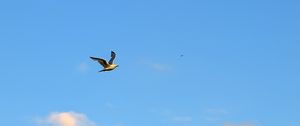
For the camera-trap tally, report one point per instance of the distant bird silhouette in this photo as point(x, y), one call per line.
point(107, 66)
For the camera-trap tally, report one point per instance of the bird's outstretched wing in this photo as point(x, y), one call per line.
point(113, 56)
point(101, 61)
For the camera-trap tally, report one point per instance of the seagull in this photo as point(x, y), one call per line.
point(107, 66)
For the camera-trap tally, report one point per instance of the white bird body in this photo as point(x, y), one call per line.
point(110, 67)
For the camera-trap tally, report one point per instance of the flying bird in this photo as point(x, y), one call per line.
point(107, 66)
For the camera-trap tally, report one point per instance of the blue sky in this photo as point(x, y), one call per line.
point(240, 63)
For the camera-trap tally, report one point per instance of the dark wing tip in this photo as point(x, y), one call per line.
point(113, 54)
point(93, 58)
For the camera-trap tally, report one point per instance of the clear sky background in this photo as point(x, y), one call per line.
point(240, 63)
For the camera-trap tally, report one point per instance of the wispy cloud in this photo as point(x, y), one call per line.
point(239, 124)
point(214, 114)
point(216, 111)
point(108, 105)
point(118, 124)
point(82, 67)
point(172, 116)
point(160, 67)
point(157, 66)
point(182, 119)
point(66, 119)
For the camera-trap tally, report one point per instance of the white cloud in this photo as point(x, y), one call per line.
point(66, 119)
